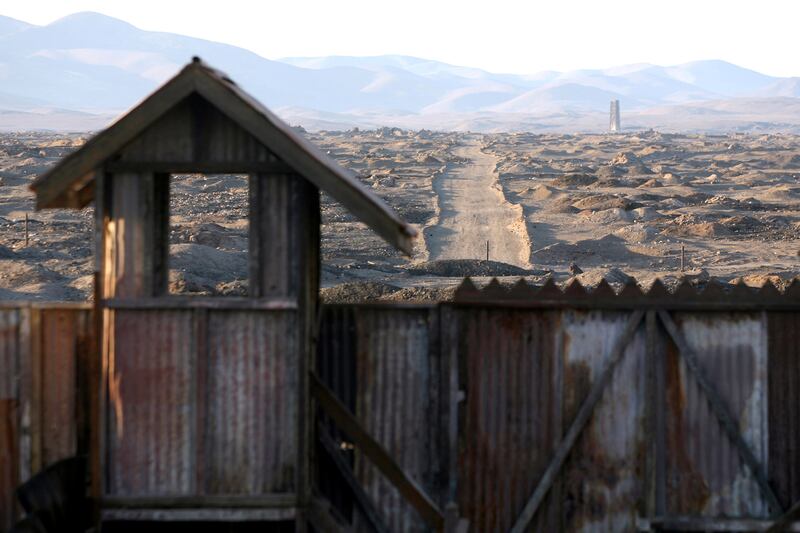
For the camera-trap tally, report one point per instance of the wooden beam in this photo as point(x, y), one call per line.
point(202, 302)
point(320, 516)
point(697, 523)
point(199, 514)
point(200, 167)
point(348, 424)
point(720, 409)
point(784, 522)
point(286, 500)
point(362, 498)
point(581, 419)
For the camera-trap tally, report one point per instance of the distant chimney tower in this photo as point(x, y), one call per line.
point(613, 124)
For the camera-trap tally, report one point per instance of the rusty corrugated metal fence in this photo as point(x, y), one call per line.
point(473, 400)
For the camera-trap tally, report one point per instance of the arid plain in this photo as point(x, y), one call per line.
point(611, 205)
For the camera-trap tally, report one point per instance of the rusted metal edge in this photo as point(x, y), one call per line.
point(723, 414)
point(373, 450)
point(712, 296)
point(362, 499)
point(581, 419)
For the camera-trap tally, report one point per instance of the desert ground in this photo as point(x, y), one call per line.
point(549, 205)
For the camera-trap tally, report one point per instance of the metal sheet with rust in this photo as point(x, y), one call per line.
point(9, 415)
point(151, 435)
point(251, 411)
point(511, 418)
point(784, 406)
point(601, 482)
point(396, 401)
point(705, 475)
point(383, 364)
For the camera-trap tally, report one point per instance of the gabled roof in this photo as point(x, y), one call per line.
point(71, 182)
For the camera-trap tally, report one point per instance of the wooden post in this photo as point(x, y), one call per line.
point(26, 230)
point(487, 250)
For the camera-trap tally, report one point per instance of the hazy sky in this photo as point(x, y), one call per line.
point(523, 36)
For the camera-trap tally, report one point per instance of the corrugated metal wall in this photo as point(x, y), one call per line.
point(784, 405)
point(202, 403)
point(42, 406)
point(523, 372)
point(9, 414)
point(383, 364)
point(705, 475)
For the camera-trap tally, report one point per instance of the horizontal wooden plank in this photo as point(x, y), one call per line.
point(646, 303)
point(194, 167)
point(189, 502)
point(373, 450)
point(202, 302)
point(691, 523)
point(197, 515)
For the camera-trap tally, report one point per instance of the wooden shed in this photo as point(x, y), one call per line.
point(202, 411)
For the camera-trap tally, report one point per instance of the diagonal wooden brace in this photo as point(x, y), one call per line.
point(350, 426)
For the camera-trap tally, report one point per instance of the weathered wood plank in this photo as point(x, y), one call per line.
point(581, 419)
point(200, 167)
point(200, 302)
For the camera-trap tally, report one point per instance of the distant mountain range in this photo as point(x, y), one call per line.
point(84, 69)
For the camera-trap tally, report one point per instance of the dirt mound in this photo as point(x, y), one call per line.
point(459, 268)
point(697, 229)
point(357, 292)
point(600, 202)
point(652, 182)
point(613, 276)
point(540, 192)
point(574, 180)
point(606, 216)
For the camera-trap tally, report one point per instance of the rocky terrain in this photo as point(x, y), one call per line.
point(591, 206)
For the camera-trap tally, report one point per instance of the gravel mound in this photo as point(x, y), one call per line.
point(466, 267)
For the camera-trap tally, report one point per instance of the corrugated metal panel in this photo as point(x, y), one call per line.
point(252, 403)
point(59, 395)
point(784, 405)
point(705, 475)
point(511, 417)
point(601, 481)
point(395, 405)
point(274, 246)
point(336, 367)
point(9, 430)
point(152, 403)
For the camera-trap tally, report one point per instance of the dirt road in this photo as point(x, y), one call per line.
point(473, 210)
